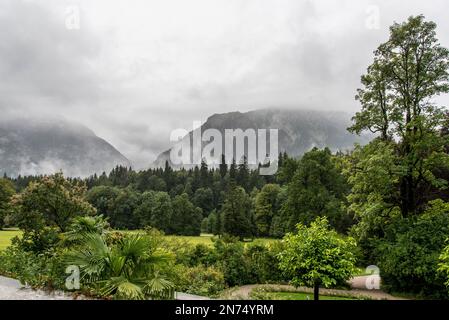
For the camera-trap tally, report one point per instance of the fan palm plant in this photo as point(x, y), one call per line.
point(126, 270)
point(83, 225)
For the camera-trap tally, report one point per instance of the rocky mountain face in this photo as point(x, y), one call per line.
point(298, 130)
point(47, 146)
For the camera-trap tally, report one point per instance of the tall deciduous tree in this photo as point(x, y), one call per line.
point(265, 208)
point(236, 212)
point(155, 209)
point(317, 189)
point(409, 70)
point(186, 218)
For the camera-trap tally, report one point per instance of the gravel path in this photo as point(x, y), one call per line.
point(358, 289)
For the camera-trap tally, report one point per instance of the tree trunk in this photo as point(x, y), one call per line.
point(316, 292)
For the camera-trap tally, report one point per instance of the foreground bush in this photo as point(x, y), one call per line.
point(44, 270)
point(201, 280)
point(409, 258)
point(126, 270)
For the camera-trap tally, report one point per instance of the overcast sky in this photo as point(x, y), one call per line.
point(134, 70)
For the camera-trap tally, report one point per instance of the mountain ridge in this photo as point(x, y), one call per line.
point(299, 130)
point(45, 146)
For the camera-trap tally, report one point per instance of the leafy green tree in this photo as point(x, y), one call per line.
point(316, 256)
point(125, 205)
point(205, 225)
point(212, 222)
point(103, 199)
point(372, 172)
point(53, 201)
point(279, 222)
point(265, 208)
point(218, 227)
point(317, 189)
point(155, 209)
point(204, 199)
point(236, 212)
point(6, 192)
point(286, 170)
point(409, 70)
point(186, 219)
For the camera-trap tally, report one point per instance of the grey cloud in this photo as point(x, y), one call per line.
point(136, 70)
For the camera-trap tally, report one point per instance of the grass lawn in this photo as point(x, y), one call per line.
point(6, 236)
point(206, 239)
point(303, 296)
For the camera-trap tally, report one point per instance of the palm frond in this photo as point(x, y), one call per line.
point(122, 288)
point(92, 258)
point(159, 288)
point(134, 246)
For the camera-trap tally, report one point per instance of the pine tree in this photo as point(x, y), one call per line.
point(223, 166)
point(233, 170)
point(243, 174)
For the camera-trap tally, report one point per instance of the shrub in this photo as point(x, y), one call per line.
point(129, 269)
point(409, 257)
point(262, 264)
point(43, 270)
point(230, 259)
point(201, 280)
point(200, 254)
point(38, 241)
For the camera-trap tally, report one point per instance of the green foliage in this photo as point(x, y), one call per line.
point(155, 210)
point(80, 226)
point(200, 280)
point(204, 199)
point(408, 256)
point(443, 265)
point(230, 260)
point(237, 214)
point(316, 256)
point(248, 264)
point(103, 199)
point(186, 219)
point(266, 207)
point(409, 70)
point(317, 189)
point(42, 270)
point(53, 201)
point(6, 192)
point(125, 205)
point(396, 175)
point(262, 264)
point(38, 241)
point(126, 270)
point(287, 168)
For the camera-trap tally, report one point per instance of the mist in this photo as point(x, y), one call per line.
point(133, 71)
